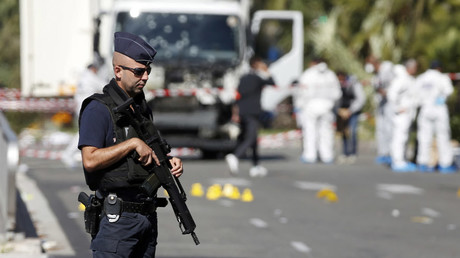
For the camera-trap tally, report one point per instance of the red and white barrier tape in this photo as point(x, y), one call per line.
point(38, 105)
point(57, 154)
point(266, 141)
point(41, 154)
point(11, 100)
point(454, 76)
point(15, 94)
point(183, 92)
point(279, 140)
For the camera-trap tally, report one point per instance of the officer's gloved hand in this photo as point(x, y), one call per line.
point(440, 101)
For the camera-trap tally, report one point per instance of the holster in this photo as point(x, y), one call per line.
point(93, 211)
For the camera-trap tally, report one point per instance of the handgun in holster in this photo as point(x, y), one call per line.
point(93, 210)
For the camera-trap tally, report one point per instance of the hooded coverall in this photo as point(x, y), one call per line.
point(319, 90)
point(401, 96)
point(434, 87)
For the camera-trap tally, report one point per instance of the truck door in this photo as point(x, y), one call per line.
point(279, 40)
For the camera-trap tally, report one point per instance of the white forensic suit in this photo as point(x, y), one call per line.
point(383, 112)
point(88, 84)
point(319, 90)
point(434, 87)
point(401, 96)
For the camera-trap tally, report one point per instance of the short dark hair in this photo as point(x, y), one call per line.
point(254, 60)
point(435, 64)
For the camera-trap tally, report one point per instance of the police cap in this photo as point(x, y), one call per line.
point(134, 47)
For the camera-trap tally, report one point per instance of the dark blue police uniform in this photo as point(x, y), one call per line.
point(132, 234)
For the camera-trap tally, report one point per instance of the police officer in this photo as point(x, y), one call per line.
point(129, 229)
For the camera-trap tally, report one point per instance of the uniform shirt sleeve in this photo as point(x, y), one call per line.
point(96, 127)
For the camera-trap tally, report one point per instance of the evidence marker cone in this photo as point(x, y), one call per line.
point(327, 194)
point(214, 192)
point(331, 197)
point(230, 191)
point(323, 193)
point(81, 207)
point(197, 190)
point(247, 195)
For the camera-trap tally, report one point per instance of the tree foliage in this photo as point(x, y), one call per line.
point(9, 44)
point(345, 32)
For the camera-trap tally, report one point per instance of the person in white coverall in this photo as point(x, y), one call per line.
point(383, 114)
point(319, 90)
point(401, 96)
point(88, 84)
point(434, 88)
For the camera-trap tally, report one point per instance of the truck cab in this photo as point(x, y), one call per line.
point(203, 49)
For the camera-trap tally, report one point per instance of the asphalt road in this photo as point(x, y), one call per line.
point(322, 211)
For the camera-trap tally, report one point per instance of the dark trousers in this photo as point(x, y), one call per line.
point(133, 235)
point(248, 137)
point(350, 134)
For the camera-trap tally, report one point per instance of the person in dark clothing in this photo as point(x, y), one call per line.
point(246, 112)
point(107, 143)
point(350, 105)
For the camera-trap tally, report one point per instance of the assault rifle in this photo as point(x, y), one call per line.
point(159, 175)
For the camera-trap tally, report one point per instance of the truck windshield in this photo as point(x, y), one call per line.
point(186, 37)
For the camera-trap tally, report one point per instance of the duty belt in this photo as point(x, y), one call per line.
point(115, 205)
point(134, 207)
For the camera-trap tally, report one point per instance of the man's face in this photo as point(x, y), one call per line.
point(132, 76)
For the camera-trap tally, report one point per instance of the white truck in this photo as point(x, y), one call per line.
point(203, 49)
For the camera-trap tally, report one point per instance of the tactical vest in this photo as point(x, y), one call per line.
point(127, 172)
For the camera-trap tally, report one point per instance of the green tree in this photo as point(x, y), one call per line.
point(9, 44)
point(347, 31)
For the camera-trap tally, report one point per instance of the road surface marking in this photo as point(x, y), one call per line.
point(259, 223)
point(399, 189)
point(314, 186)
point(300, 247)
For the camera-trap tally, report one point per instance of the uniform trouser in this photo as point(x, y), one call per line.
point(248, 137)
point(318, 136)
point(383, 129)
point(401, 127)
point(133, 235)
point(434, 120)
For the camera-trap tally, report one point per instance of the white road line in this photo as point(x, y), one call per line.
point(430, 213)
point(259, 223)
point(300, 247)
point(399, 189)
point(226, 203)
point(315, 186)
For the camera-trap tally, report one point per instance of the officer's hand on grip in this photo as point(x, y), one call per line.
point(146, 154)
point(177, 168)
